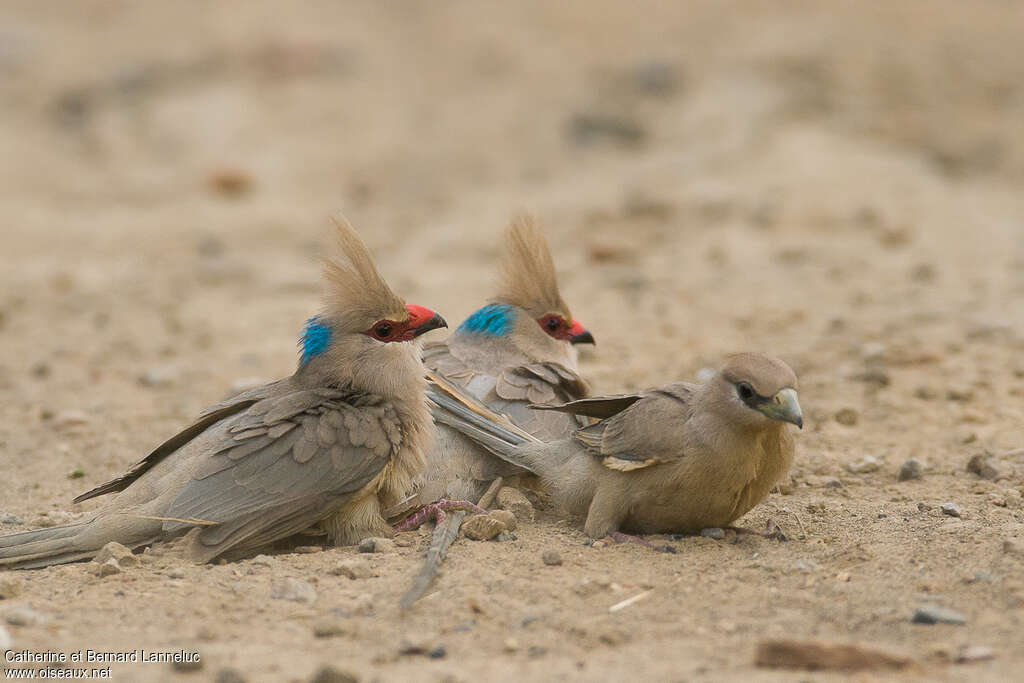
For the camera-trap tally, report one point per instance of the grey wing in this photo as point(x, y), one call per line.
point(646, 432)
point(284, 464)
point(206, 419)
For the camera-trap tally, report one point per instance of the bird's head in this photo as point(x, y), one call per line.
point(360, 339)
point(528, 305)
point(757, 390)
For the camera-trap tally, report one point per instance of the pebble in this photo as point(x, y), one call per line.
point(973, 653)
point(951, 509)
point(377, 544)
point(121, 555)
point(513, 500)
point(108, 568)
point(505, 517)
point(510, 645)
point(69, 419)
point(909, 470)
point(979, 464)
point(482, 527)
point(229, 675)
point(9, 588)
point(553, 558)
point(414, 644)
point(293, 590)
point(330, 674)
point(330, 628)
point(934, 614)
point(22, 615)
point(11, 518)
point(805, 566)
point(959, 394)
point(161, 375)
point(6, 642)
point(863, 465)
point(1012, 547)
point(847, 417)
point(926, 392)
point(176, 573)
point(353, 569)
point(438, 652)
point(714, 532)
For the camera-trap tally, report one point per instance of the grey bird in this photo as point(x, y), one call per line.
point(516, 350)
point(675, 459)
point(333, 444)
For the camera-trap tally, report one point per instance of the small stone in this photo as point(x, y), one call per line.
point(951, 509)
point(161, 375)
point(69, 419)
point(968, 654)
point(9, 588)
point(959, 394)
point(176, 573)
point(551, 558)
point(187, 665)
point(11, 518)
point(330, 674)
point(414, 644)
point(121, 555)
point(6, 642)
point(510, 645)
point(863, 465)
point(979, 464)
point(377, 544)
point(108, 568)
point(513, 500)
point(847, 417)
point(353, 569)
point(229, 675)
point(843, 577)
point(805, 566)
point(714, 532)
point(293, 590)
point(872, 351)
point(926, 392)
point(482, 527)
point(505, 517)
point(437, 652)
point(934, 614)
point(911, 469)
point(1012, 547)
point(22, 615)
point(505, 537)
point(331, 628)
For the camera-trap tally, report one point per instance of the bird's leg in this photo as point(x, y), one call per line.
point(772, 531)
point(436, 512)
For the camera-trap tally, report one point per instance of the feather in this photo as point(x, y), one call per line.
point(528, 278)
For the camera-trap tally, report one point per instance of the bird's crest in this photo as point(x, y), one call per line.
point(357, 296)
point(528, 277)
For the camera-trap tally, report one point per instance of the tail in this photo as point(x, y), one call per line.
point(63, 544)
point(492, 431)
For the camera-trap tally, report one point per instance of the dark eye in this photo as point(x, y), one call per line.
point(382, 330)
point(552, 323)
point(746, 391)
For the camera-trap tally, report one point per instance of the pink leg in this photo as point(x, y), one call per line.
point(435, 512)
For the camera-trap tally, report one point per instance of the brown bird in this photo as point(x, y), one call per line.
point(516, 350)
point(333, 444)
point(678, 458)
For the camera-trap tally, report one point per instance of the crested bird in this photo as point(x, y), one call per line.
point(516, 350)
point(678, 458)
point(332, 444)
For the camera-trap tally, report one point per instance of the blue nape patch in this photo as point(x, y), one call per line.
point(315, 338)
point(493, 319)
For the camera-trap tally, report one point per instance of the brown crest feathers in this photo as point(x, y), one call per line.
point(356, 293)
point(528, 277)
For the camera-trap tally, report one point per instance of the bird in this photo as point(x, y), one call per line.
point(517, 349)
point(332, 444)
point(673, 459)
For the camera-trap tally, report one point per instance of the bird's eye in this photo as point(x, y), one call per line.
point(746, 391)
point(552, 323)
point(382, 330)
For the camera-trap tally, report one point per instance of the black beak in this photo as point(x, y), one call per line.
point(582, 338)
point(434, 323)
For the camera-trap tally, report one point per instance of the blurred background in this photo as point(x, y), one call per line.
point(838, 184)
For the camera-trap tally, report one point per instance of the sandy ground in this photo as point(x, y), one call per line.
point(836, 185)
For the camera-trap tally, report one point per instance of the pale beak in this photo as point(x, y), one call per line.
point(784, 407)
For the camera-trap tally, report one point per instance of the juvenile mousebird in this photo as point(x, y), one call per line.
point(679, 458)
point(516, 350)
point(333, 443)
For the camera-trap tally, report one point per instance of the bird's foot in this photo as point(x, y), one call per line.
point(619, 537)
point(435, 512)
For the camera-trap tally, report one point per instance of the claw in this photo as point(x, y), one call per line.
point(435, 512)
